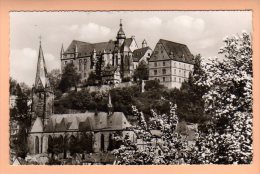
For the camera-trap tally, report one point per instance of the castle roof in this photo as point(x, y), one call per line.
point(139, 53)
point(88, 121)
point(87, 49)
point(175, 51)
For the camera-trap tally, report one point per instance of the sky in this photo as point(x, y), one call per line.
point(201, 31)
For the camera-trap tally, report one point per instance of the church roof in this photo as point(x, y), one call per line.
point(41, 80)
point(86, 122)
point(139, 53)
point(175, 51)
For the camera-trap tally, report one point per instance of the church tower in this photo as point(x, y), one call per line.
point(43, 97)
point(120, 35)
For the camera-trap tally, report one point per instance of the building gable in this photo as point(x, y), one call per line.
point(159, 53)
point(37, 125)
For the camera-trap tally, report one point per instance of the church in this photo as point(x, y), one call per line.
point(46, 126)
point(111, 61)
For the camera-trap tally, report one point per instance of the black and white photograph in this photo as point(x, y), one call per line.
point(130, 87)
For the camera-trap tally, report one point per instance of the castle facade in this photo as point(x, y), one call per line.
point(111, 61)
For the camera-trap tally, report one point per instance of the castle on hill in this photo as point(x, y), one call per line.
point(111, 61)
point(98, 127)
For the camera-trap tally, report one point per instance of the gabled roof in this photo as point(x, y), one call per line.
point(87, 49)
point(139, 53)
point(176, 51)
point(87, 121)
point(37, 125)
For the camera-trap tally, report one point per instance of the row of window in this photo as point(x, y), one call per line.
point(175, 79)
point(184, 65)
point(186, 73)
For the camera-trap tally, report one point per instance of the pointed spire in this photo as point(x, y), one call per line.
point(61, 51)
point(121, 23)
point(144, 43)
point(41, 80)
point(121, 34)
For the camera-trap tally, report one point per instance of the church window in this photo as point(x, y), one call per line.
point(164, 71)
point(79, 65)
point(174, 71)
point(36, 145)
point(102, 143)
point(174, 79)
point(65, 62)
point(155, 72)
point(179, 79)
point(163, 63)
point(164, 79)
point(85, 74)
point(155, 64)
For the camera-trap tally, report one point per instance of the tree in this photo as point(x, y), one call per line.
point(129, 153)
point(70, 78)
point(153, 85)
point(20, 114)
point(190, 102)
point(55, 78)
point(92, 79)
point(229, 100)
point(141, 72)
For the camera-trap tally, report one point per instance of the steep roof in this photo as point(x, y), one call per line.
point(176, 51)
point(41, 80)
point(86, 121)
point(86, 48)
point(139, 53)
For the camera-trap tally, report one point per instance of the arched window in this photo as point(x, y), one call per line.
point(50, 144)
point(102, 143)
point(79, 65)
point(36, 145)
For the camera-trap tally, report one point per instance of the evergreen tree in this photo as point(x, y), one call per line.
point(70, 78)
point(141, 72)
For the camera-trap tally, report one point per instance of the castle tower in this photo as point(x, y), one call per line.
point(144, 44)
point(43, 97)
point(120, 35)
